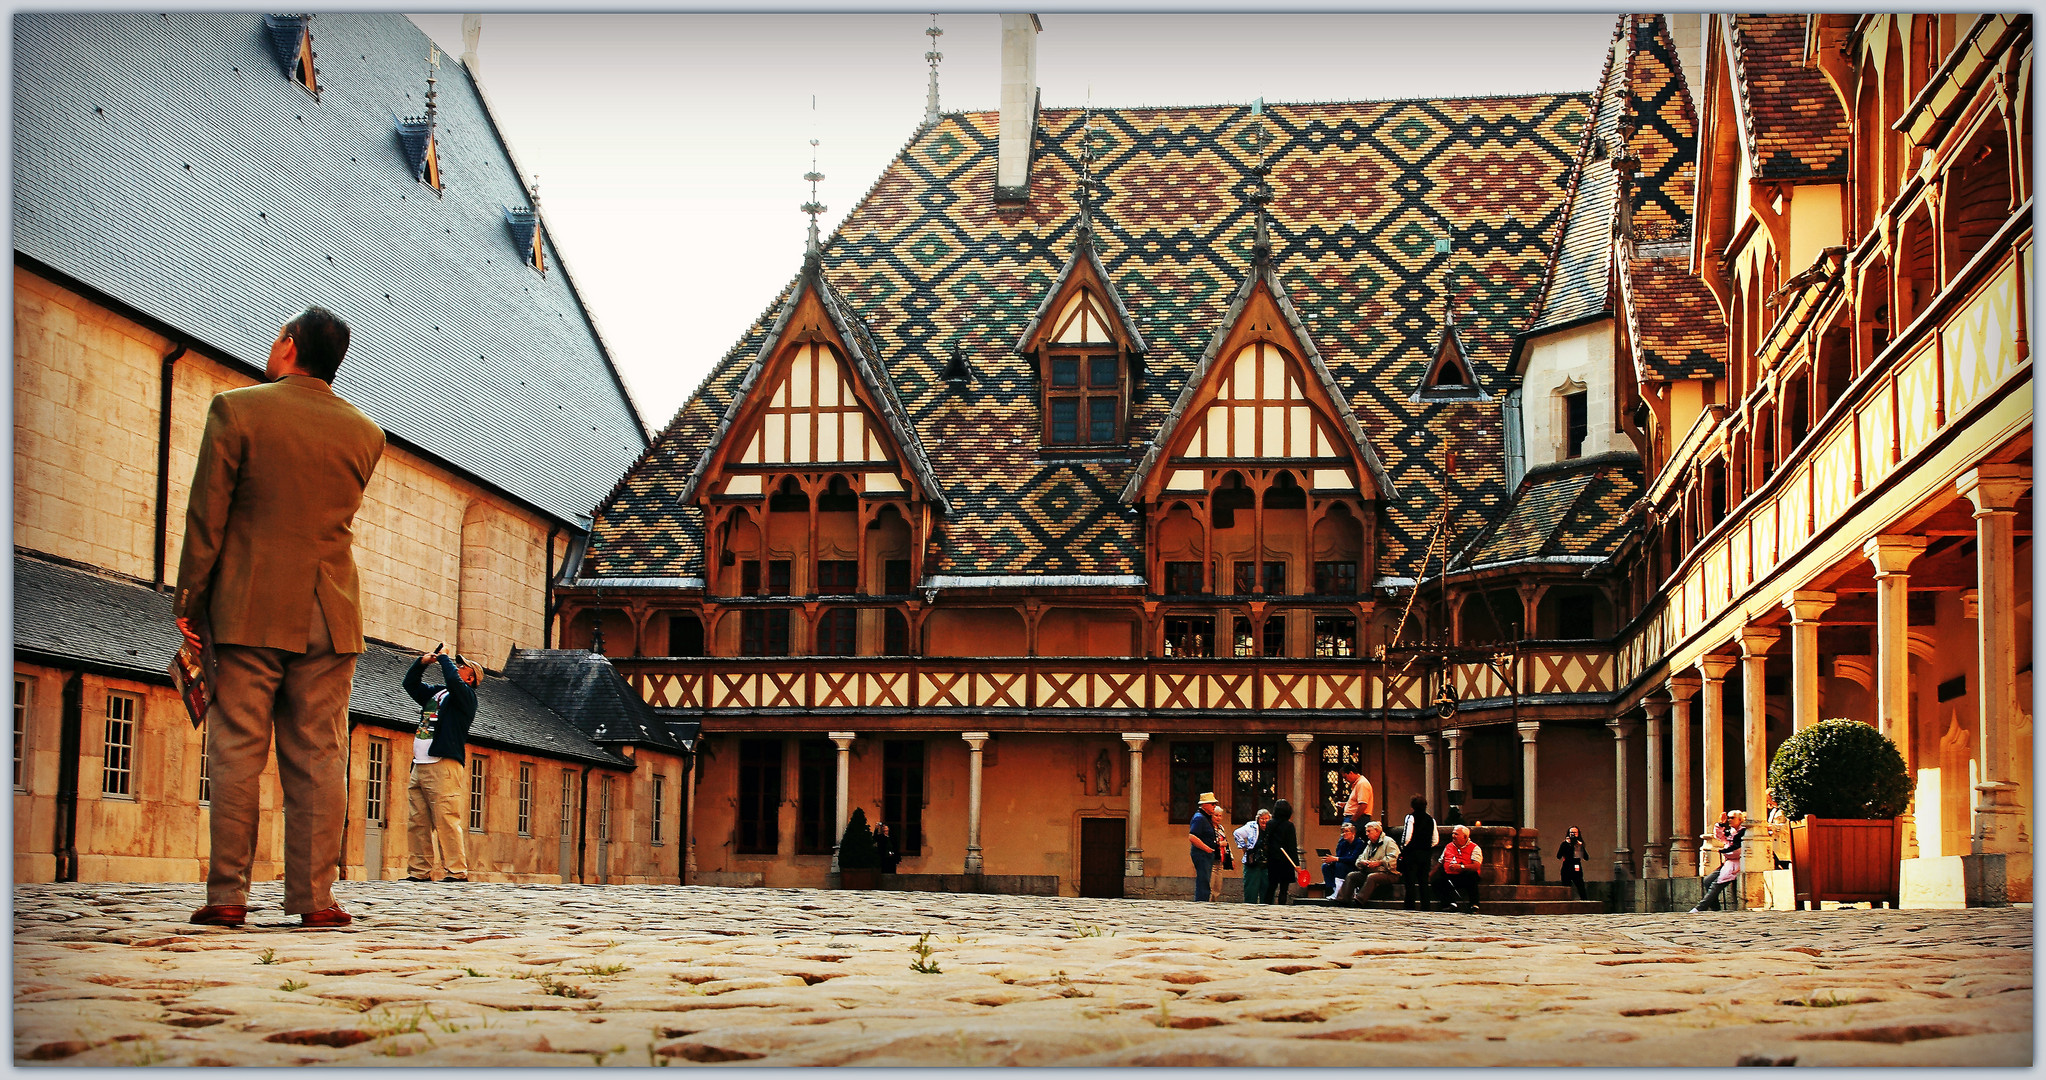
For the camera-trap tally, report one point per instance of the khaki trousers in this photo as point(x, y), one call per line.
point(303, 699)
point(439, 797)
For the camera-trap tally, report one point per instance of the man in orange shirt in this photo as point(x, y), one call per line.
point(1461, 861)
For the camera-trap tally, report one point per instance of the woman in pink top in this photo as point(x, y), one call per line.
point(1728, 834)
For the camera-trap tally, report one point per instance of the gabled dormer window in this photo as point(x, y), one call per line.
point(1084, 373)
point(291, 39)
point(416, 138)
point(1450, 375)
point(527, 236)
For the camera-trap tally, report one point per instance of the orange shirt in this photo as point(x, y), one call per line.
point(1458, 857)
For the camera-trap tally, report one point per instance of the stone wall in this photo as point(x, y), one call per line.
point(442, 557)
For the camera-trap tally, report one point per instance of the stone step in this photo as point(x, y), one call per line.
point(1488, 905)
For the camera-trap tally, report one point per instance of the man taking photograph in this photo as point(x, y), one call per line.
point(439, 787)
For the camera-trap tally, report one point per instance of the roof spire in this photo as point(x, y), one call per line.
point(432, 79)
point(933, 56)
point(813, 250)
point(1260, 188)
point(1084, 193)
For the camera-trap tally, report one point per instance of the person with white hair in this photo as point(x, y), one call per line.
point(1728, 834)
point(1458, 875)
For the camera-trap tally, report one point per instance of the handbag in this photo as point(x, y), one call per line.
point(1228, 861)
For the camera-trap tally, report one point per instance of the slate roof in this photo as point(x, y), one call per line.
point(167, 161)
point(1643, 82)
point(1362, 192)
point(115, 627)
point(1672, 319)
point(583, 687)
point(1796, 127)
point(1572, 510)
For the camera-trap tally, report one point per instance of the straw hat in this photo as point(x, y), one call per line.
point(1209, 797)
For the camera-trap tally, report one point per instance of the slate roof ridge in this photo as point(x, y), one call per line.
point(560, 257)
point(1538, 316)
point(1262, 270)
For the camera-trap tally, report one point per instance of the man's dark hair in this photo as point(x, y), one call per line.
point(1419, 804)
point(322, 340)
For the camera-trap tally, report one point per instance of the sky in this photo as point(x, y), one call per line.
point(670, 149)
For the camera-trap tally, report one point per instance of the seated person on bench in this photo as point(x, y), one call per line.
point(1377, 867)
point(1336, 867)
point(1457, 877)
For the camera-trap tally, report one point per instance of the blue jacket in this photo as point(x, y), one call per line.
point(1346, 852)
point(457, 709)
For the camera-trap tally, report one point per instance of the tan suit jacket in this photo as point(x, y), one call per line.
point(271, 522)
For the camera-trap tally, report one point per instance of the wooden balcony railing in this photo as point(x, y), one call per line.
point(1968, 348)
point(1134, 686)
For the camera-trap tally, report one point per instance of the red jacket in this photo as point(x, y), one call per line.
point(1458, 857)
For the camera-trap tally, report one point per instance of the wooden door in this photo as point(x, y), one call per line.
point(1101, 857)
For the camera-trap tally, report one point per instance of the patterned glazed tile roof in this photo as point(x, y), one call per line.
point(1573, 509)
point(1795, 125)
point(1665, 139)
point(72, 617)
point(1642, 90)
point(1672, 319)
point(1261, 273)
point(1363, 190)
point(167, 161)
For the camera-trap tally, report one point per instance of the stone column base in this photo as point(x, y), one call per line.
point(1965, 881)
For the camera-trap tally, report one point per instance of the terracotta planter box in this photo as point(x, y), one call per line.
point(858, 879)
point(1844, 860)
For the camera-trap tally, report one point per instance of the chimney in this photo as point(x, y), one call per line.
point(472, 28)
point(1019, 107)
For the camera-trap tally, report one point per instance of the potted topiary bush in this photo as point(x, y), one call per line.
point(859, 864)
point(1842, 784)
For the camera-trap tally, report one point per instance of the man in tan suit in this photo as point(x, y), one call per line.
point(268, 574)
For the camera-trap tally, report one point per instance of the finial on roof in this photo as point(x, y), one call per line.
point(1084, 194)
point(432, 81)
point(1260, 189)
point(933, 56)
point(813, 250)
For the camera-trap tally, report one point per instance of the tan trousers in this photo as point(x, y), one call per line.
point(303, 699)
point(439, 797)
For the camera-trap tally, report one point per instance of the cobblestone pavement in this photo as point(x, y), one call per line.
point(110, 974)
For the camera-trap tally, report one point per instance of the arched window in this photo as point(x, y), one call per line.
point(1978, 195)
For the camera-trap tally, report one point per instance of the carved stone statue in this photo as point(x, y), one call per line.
point(1104, 773)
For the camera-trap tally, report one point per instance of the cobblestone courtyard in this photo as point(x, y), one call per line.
point(516, 975)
